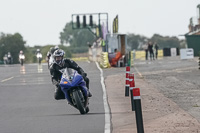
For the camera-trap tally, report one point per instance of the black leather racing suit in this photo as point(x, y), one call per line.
point(56, 75)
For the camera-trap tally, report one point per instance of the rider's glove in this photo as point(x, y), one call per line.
point(84, 74)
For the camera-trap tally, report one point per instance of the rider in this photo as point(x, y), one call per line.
point(39, 55)
point(21, 56)
point(9, 58)
point(53, 49)
point(21, 52)
point(60, 63)
point(5, 59)
point(50, 55)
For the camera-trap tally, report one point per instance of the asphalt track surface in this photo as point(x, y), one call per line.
point(27, 104)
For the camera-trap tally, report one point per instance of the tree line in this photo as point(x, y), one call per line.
point(137, 41)
point(76, 41)
point(79, 40)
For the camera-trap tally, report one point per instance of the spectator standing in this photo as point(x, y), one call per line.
point(150, 47)
point(156, 49)
point(145, 47)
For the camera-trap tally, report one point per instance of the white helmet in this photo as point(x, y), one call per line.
point(56, 47)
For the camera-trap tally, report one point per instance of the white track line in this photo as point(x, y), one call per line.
point(106, 107)
point(138, 72)
point(7, 79)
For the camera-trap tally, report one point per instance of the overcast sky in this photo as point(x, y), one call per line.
point(41, 21)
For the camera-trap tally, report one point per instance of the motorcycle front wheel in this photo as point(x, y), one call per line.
point(79, 103)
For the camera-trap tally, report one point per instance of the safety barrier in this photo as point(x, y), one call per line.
point(142, 54)
point(80, 59)
point(104, 62)
point(160, 53)
point(132, 58)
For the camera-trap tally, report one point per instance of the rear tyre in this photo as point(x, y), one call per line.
point(79, 103)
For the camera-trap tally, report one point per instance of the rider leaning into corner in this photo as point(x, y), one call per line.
point(50, 55)
point(60, 63)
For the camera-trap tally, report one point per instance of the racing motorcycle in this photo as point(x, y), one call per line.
point(39, 57)
point(21, 59)
point(75, 90)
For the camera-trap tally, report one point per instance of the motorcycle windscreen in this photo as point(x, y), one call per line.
point(69, 78)
point(77, 79)
point(65, 79)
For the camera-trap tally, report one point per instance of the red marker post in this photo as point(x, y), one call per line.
point(138, 110)
point(127, 81)
point(132, 85)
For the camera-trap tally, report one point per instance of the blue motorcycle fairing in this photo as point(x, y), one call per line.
point(76, 82)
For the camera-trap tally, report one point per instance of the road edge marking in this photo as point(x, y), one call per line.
point(105, 101)
point(7, 79)
point(138, 72)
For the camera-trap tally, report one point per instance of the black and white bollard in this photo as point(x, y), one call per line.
point(138, 110)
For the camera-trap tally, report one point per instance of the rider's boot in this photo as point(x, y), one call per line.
point(58, 95)
point(89, 94)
